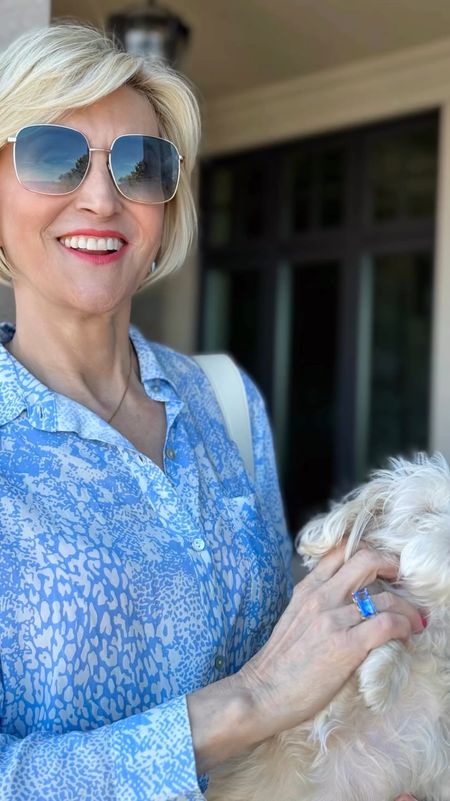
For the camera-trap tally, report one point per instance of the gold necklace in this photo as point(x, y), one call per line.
point(126, 387)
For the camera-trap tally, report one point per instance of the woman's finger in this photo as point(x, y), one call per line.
point(348, 616)
point(360, 570)
point(327, 567)
point(390, 602)
point(376, 631)
point(330, 584)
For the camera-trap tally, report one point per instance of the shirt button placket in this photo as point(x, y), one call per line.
point(219, 662)
point(198, 544)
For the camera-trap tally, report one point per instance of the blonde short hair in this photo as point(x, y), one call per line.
point(49, 71)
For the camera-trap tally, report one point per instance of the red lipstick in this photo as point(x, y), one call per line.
point(92, 256)
point(95, 232)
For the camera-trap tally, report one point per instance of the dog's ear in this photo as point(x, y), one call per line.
point(405, 510)
point(352, 519)
point(384, 676)
point(425, 563)
point(416, 527)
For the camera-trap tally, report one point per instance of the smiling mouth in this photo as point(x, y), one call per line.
point(93, 244)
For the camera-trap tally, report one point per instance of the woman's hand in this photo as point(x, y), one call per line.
point(320, 640)
point(317, 644)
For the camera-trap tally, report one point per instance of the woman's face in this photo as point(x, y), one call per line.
point(32, 226)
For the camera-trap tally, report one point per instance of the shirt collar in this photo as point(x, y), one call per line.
point(22, 391)
point(149, 367)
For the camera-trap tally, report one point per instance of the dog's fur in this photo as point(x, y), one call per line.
point(388, 730)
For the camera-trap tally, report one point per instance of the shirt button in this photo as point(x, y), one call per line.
point(198, 544)
point(156, 386)
point(219, 662)
point(141, 458)
point(170, 453)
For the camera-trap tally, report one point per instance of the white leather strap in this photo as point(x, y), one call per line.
point(229, 390)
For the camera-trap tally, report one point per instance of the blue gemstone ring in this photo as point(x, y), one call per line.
point(364, 601)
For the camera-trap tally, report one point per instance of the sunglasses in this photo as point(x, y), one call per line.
point(54, 160)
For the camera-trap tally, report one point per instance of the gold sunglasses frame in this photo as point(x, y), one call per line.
point(13, 140)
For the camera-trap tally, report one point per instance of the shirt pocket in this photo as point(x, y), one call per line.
point(259, 565)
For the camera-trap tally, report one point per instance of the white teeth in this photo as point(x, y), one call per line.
point(92, 243)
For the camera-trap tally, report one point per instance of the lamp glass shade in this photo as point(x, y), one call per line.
point(146, 42)
point(151, 31)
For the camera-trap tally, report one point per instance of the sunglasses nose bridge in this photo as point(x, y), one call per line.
point(107, 150)
point(100, 149)
point(101, 195)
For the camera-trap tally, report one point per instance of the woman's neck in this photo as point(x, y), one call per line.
point(84, 357)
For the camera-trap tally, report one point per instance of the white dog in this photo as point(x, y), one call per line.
point(388, 731)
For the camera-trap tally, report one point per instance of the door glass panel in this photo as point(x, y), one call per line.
point(402, 174)
point(331, 183)
point(232, 315)
point(401, 342)
point(420, 175)
point(220, 227)
point(298, 189)
point(314, 193)
point(252, 185)
point(309, 463)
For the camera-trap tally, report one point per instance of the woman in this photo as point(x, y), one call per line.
point(142, 573)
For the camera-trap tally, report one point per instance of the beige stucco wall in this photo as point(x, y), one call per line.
point(440, 422)
point(20, 15)
point(17, 17)
point(167, 312)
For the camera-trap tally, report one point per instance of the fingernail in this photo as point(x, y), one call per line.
point(406, 798)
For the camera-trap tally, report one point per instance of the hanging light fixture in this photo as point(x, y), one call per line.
point(150, 30)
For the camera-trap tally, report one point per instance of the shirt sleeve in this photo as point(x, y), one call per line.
point(266, 476)
point(146, 756)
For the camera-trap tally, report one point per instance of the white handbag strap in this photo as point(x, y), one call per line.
point(228, 386)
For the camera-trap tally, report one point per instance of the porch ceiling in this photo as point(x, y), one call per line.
point(242, 44)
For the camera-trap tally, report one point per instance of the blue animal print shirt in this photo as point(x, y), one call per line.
point(123, 587)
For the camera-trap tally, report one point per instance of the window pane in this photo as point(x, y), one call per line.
point(298, 183)
point(312, 398)
point(232, 315)
point(400, 355)
point(253, 202)
point(331, 177)
point(314, 193)
point(402, 170)
point(221, 196)
point(420, 178)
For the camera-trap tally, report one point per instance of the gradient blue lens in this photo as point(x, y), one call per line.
point(51, 159)
point(145, 168)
